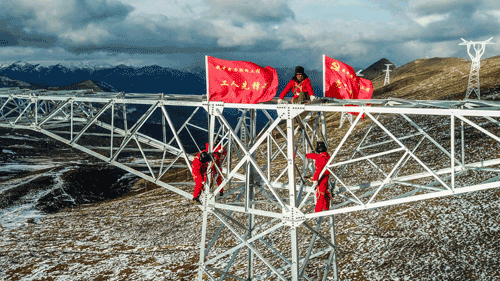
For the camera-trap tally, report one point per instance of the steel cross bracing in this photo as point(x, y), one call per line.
point(479, 48)
point(404, 151)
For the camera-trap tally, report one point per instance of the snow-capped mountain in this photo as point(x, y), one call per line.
point(85, 65)
point(147, 79)
point(72, 66)
point(131, 79)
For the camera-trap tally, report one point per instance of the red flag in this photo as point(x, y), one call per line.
point(365, 89)
point(365, 92)
point(341, 81)
point(240, 81)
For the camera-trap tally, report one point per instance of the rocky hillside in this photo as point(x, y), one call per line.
point(6, 82)
point(87, 84)
point(377, 69)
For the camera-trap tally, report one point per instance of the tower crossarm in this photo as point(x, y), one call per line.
point(479, 48)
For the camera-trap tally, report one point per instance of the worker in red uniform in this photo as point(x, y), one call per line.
point(321, 185)
point(300, 85)
point(218, 153)
point(199, 171)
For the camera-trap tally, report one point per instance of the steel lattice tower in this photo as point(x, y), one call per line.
point(386, 80)
point(479, 48)
point(264, 226)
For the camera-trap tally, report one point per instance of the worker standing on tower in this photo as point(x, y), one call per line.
point(300, 85)
point(321, 185)
point(199, 171)
point(218, 153)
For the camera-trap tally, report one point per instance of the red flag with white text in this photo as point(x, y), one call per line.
point(240, 81)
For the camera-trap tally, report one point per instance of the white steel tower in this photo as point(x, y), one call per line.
point(475, 65)
point(264, 226)
point(386, 80)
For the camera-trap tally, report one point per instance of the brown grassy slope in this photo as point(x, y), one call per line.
point(428, 79)
point(436, 79)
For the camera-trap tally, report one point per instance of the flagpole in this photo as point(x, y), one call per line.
point(206, 72)
point(208, 100)
point(324, 76)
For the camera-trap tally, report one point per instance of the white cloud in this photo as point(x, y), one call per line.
point(426, 20)
point(494, 13)
point(229, 35)
point(92, 34)
point(421, 49)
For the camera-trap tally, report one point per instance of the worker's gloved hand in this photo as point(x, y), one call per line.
point(312, 98)
point(336, 190)
point(281, 101)
point(315, 184)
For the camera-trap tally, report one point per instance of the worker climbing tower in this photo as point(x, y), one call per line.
point(475, 65)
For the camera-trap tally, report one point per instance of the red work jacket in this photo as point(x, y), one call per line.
point(296, 88)
point(199, 169)
point(320, 160)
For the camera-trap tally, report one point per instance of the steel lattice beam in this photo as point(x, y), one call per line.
point(409, 148)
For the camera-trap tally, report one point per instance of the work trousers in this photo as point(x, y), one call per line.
point(198, 187)
point(322, 195)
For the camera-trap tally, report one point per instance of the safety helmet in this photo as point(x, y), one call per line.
point(320, 147)
point(205, 157)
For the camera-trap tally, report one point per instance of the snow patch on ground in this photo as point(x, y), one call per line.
point(14, 167)
point(18, 137)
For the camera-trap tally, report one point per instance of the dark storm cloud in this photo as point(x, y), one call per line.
point(425, 8)
point(130, 49)
point(18, 37)
point(257, 11)
point(91, 10)
point(84, 26)
point(42, 23)
point(466, 19)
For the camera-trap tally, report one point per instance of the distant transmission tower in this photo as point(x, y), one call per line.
point(386, 81)
point(343, 117)
point(475, 65)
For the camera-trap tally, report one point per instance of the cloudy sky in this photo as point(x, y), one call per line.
point(279, 33)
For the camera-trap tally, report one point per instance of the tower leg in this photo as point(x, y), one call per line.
point(292, 200)
point(202, 245)
point(251, 191)
point(334, 252)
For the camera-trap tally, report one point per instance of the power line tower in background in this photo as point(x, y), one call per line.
point(475, 65)
point(386, 80)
